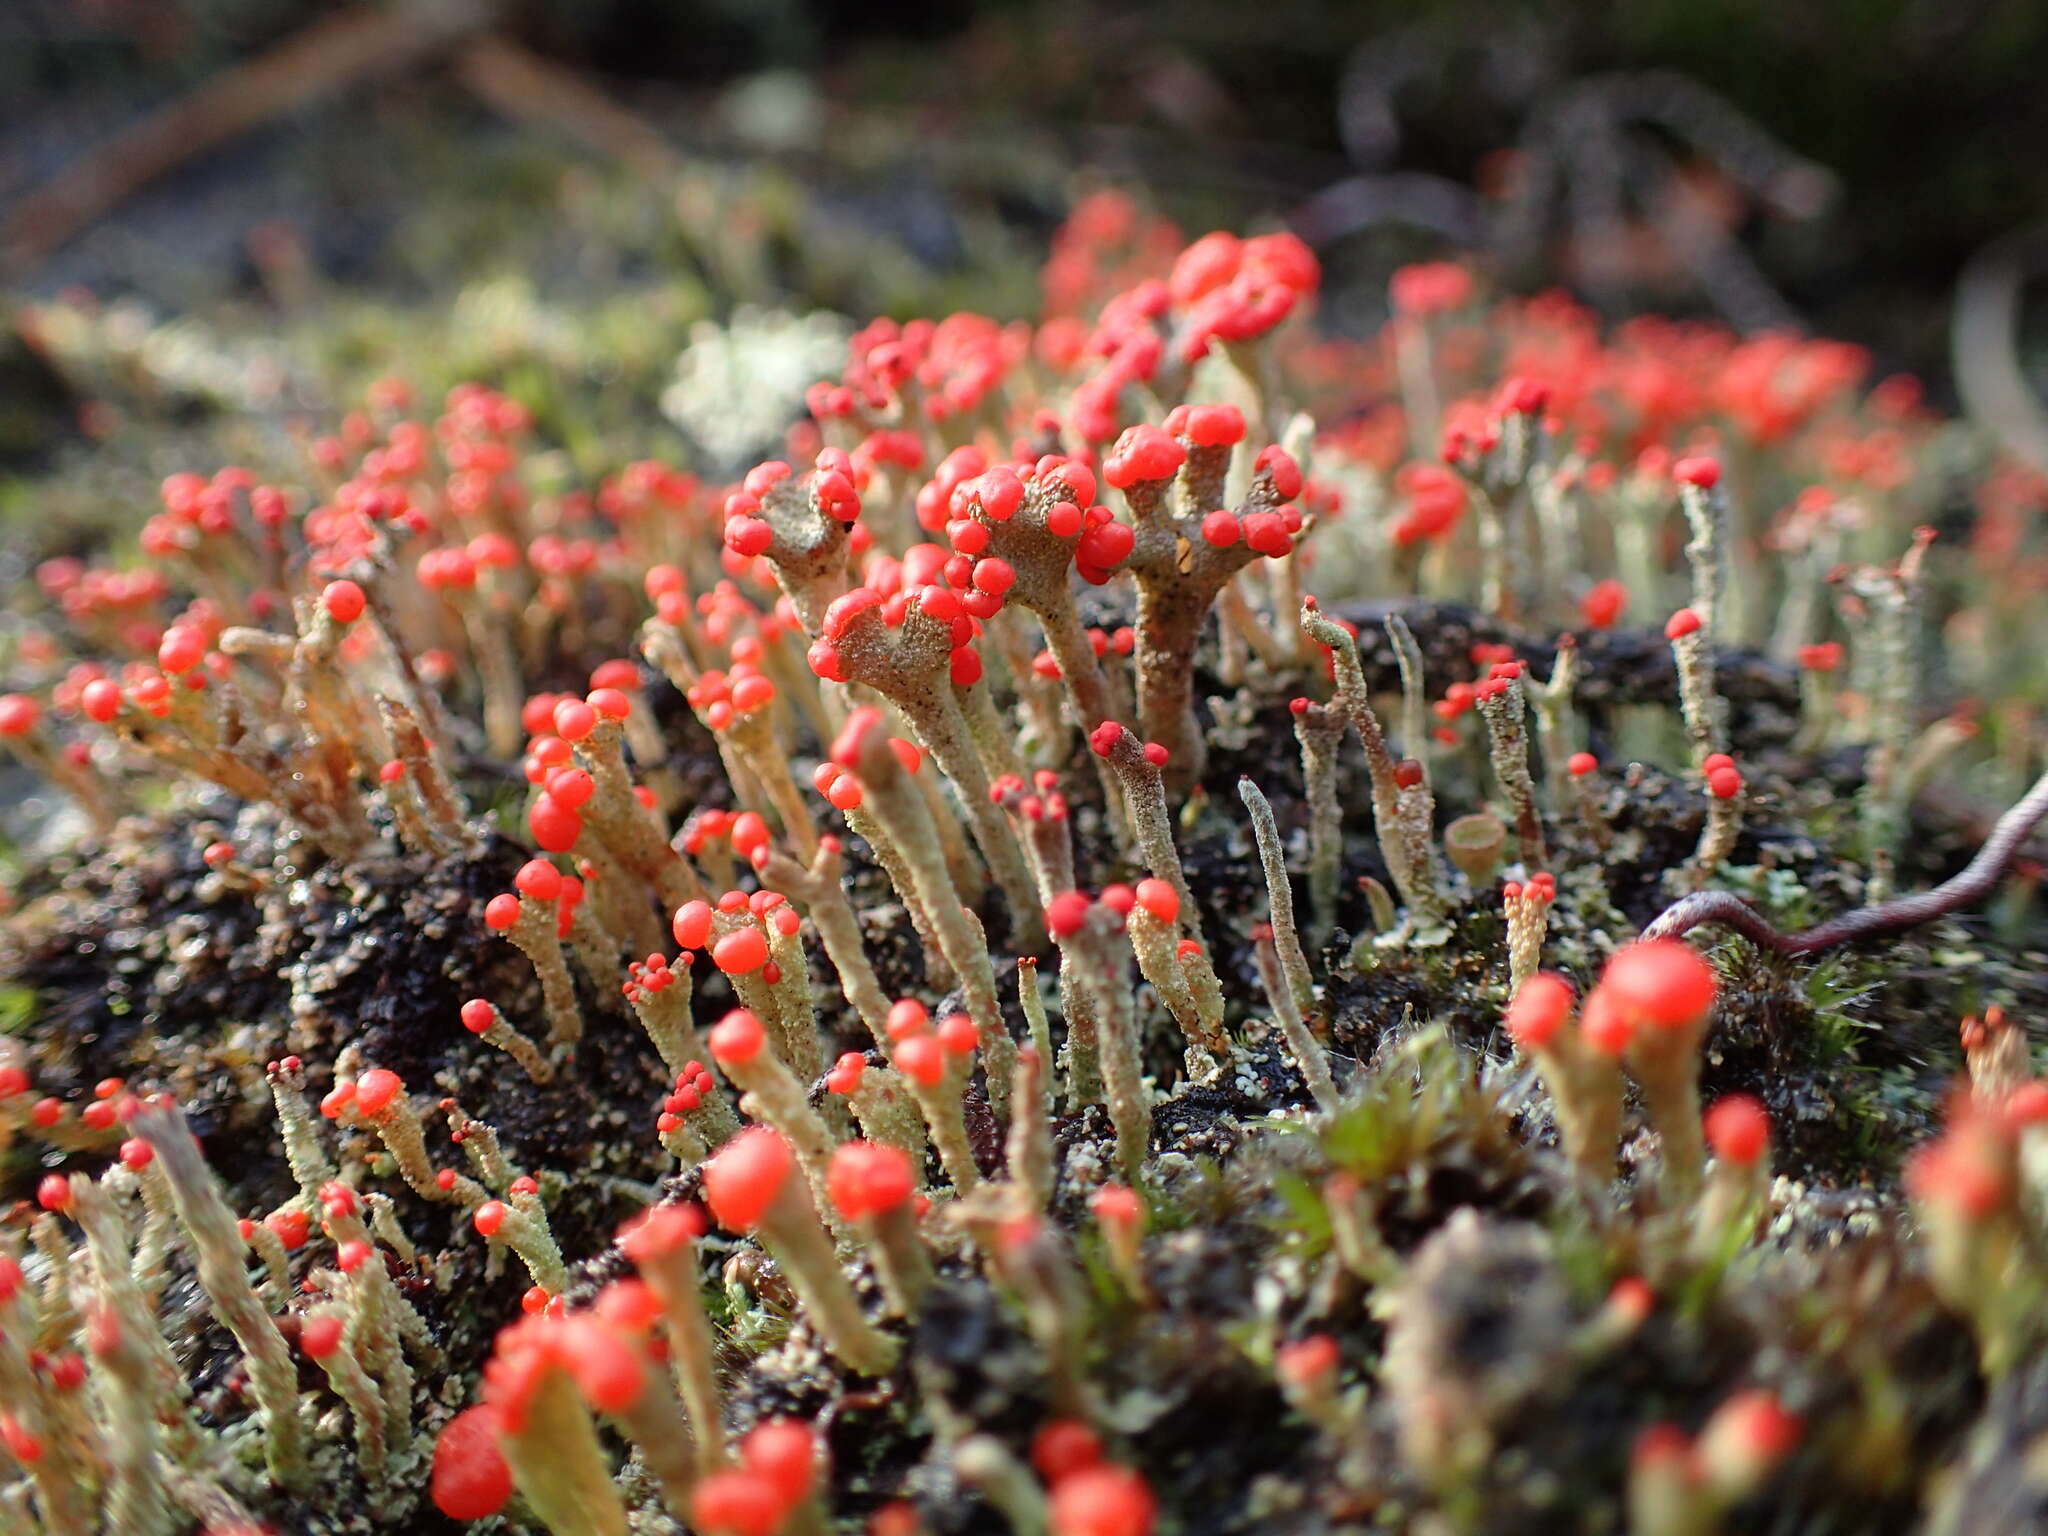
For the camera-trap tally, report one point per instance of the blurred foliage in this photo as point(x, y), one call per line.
point(1229, 111)
point(912, 159)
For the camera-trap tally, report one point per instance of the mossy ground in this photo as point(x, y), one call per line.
point(120, 962)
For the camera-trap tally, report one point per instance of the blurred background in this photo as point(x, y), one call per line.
point(258, 205)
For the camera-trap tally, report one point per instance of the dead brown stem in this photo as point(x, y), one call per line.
point(1972, 885)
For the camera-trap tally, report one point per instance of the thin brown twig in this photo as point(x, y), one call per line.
point(328, 56)
point(1974, 883)
point(531, 89)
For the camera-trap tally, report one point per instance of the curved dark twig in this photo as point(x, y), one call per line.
point(1970, 886)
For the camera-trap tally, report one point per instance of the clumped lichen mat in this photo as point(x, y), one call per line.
point(1169, 924)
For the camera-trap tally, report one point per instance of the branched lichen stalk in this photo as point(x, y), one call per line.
point(1179, 571)
point(1706, 514)
point(1158, 946)
point(135, 1499)
point(116, 1294)
point(1144, 786)
point(908, 663)
point(397, 1125)
point(1042, 822)
point(480, 1145)
point(1720, 829)
point(797, 1038)
point(793, 1233)
point(277, 1264)
point(353, 1385)
point(654, 1423)
point(501, 1036)
point(987, 1466)
point(1319, 728)
point(217, 1252)
point(753, 736)
point(1700, 706)
point(1027, 1152)
point(888, 1112)
point(60, 1477)
point(1890, 635)
point(1296, 983)
point(383, 1320)
point(819, 889)
point(304, 1154)
point(1102, 1030)
point(1416, 879)
point(1505, 710)
point(159, 1227)
point(56, 1311)
point(1528, 913)
point(774, 1096)
point(1414, 691)
point(667, 1259)
point(446, 813)
point(896, 805)
point(1555, 722)
point(622, 823)
point(945, 1121)
point(560, 1466)
point(537, 936)
point(1031, 1002)
point(523, 1227)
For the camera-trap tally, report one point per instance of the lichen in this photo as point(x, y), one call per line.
point(883, 996)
